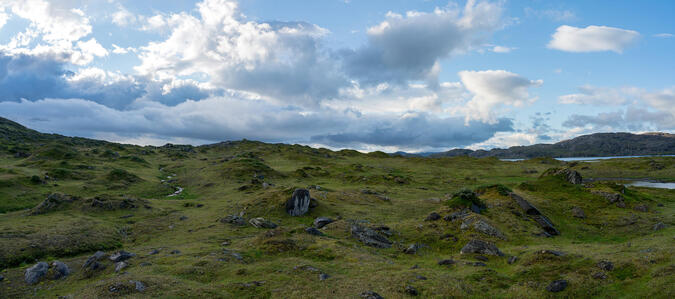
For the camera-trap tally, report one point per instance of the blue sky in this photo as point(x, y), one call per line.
point(370, 75)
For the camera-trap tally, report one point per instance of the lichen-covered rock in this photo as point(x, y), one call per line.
point(60, 270)
point(482, 247)
point(298, 204)
point(121, 256)
point(370, 237)
point(482, 226)
point(234, 219)
point(36, 272)
point(262, 223)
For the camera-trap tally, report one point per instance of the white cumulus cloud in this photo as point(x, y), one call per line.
point(592, 39)
point(492, 89)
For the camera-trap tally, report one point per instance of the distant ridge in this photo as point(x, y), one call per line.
point(593, 145)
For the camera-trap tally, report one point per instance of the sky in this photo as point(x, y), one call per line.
point(390, 75)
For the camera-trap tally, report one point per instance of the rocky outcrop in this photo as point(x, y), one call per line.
point(370, 237)
point(537, 216)
point(298, 204)
point(53, 202)
point(569, 175)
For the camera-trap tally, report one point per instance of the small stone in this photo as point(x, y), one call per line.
point(323, 276)
point(371, 295)
point(659, 226)
point(60, 270)
point(578, 212)
point(552, 252)
point(446, 262)
point(144, 264)
point(183, 218)
point(234, 219)
point(606, 265)
point(410, 290)
point(2, 278)
point(621, 204)
point(641, 208)
point(313, 231)
point(120, 266)
point(153, 252)
point(512, 259)
point(599, 275)
point(482, 258)
point(557, 286)
point(420, 277)
point(412, 249)
point(225, 243)
point(433, 217)
point(140, 286)
point(175, 251)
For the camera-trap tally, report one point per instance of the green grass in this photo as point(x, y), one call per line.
point(212, 175)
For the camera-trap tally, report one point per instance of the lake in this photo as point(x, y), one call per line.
point(590, 159)
point(651, 184)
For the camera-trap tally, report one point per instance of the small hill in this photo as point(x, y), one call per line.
point(593, 145)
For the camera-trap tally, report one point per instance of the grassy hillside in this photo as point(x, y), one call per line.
point(62, 199)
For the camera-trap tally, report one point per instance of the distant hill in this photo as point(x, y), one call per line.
point(593, 145)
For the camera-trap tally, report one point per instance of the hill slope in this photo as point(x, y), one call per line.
point(594, 145)
point(435, 227)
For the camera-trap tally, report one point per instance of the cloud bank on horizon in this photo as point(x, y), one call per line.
point(369, 75)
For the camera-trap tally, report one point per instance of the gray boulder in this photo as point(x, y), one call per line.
point(322, 221)
point(298, 204)
point(60, 270)
point(557, 286)
point(482, 247)
point(370, 237)
point(92, 262)
point(313, 231)
point(659, 226)
point(35, 273)
point(262, 223)
point(121, 256)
